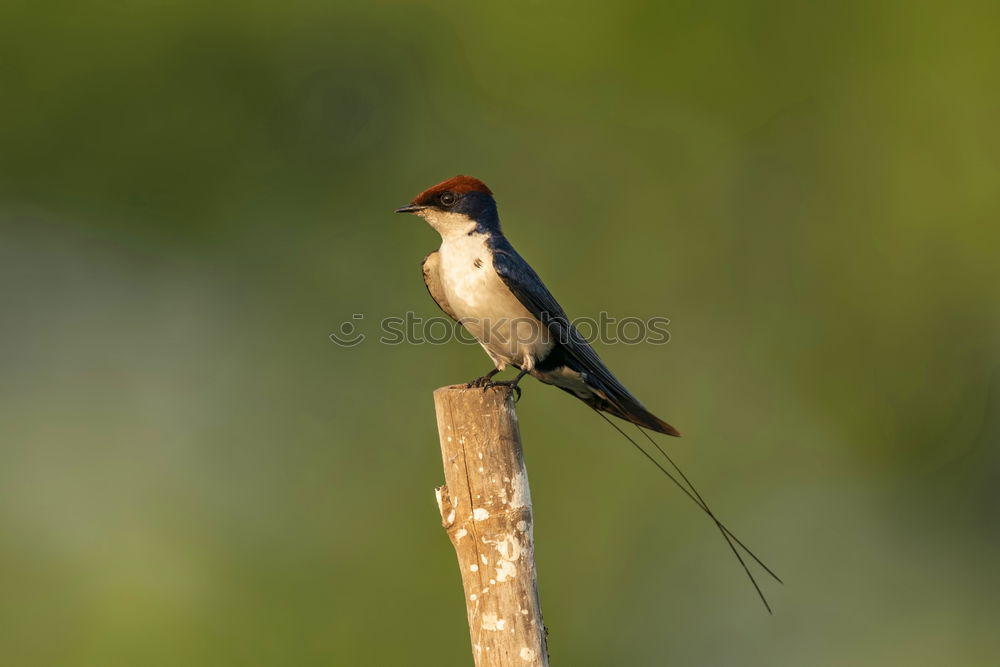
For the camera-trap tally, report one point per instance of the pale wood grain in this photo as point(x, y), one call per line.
point(486, 510)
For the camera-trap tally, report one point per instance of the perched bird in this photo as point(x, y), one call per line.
point(479, 280)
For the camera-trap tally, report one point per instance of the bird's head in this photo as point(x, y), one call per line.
point(459, 205)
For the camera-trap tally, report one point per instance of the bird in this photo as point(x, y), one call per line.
point(479, 280)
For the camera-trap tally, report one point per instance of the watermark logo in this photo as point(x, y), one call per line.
point(412, 329)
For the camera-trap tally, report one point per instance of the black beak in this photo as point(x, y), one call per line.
point(410, 208)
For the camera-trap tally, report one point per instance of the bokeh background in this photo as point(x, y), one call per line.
point(194, 195)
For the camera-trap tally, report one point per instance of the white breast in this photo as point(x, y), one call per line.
point(484, 305)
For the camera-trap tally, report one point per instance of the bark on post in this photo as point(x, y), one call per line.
point(486, 510)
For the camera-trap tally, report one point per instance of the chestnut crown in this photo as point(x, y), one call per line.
point(446, 193)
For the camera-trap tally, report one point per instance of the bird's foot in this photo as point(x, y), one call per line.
point(508, 383)
point(484, 381)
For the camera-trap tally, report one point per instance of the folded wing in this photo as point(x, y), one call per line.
point(612, 396)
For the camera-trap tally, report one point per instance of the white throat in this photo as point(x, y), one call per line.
point(448, 225)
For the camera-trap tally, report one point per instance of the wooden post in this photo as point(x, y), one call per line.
point(486, 510)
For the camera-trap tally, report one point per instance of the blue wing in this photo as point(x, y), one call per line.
point(577, 353)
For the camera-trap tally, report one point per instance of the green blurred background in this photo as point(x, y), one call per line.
point(193, 196)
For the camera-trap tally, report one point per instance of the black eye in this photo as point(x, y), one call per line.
point(447, 198)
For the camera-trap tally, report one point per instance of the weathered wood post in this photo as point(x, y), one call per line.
point(486, 510)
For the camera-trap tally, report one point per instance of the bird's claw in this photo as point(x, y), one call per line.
point(507, 383)
point(485, 382)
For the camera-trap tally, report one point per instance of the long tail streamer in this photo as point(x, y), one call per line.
point(697, 499)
